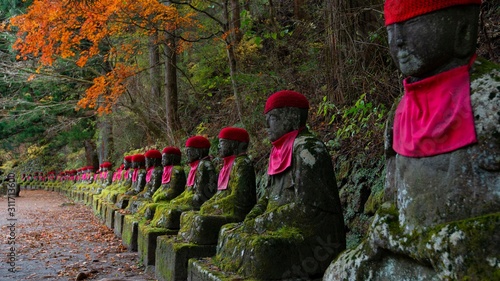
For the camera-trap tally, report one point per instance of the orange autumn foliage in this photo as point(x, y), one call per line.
point(53, 29)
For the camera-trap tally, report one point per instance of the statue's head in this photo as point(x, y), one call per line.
point(171, 156)
point(105, 166)
point(197, 147)
point(233, 141)
point(138, 161)
point(285, 111)
point(427, 37)
point(153, 158)
point(127, 162)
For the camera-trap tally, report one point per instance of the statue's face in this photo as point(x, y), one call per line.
point(192, 154)
point(126, 164)
point(279, 122)
point(149, 162)
point(425, 45)
point(226, 148)
point(166, 160)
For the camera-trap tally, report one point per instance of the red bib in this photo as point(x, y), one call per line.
point(281, 153)
point(224, 172)
point(167, 171)
point(192, 172)
point(435, 115)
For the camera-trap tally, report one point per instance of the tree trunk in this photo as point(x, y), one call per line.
point(106, 147)
point(171, 95)
point(230, 46)
point(298, 10)
point(154, 67)
point(90, 153)
point(339, 39)
point(235, 23)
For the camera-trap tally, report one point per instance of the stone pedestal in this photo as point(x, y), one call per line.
point(130, 232)
point(109, 211)
point(202, 270)
point(119, 218)
point(172, 258)
point(146, 242)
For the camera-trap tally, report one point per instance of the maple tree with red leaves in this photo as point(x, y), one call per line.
point(109, 30)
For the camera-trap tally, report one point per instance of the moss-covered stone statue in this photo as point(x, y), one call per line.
point(296, 228)
point(234, 198)
point(173, 183)
point(200, 186)
point(235, 195)
point(109, 195)
point(138, 180)
point(154, 172)
point(441, 220)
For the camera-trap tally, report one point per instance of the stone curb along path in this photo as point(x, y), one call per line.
point(45, 236)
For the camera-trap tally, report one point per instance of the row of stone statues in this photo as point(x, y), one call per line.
point(171, 216)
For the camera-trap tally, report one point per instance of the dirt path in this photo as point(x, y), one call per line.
point(56, 239)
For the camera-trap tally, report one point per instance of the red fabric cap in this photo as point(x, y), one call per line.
point(172, 150)
point(234, 133)
point(198, 142)
point(128, 158)
point(153, 153)
point(90, 168)
point(402, 10)
point(286, 98)
point(138, 158)
point(106, 165)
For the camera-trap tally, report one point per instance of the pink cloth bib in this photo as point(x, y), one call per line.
point(192, 172)
point(149, 172)
point(435, 115)
point(135, 174)
point(167, 173)
point(281, 153)
point(224, 172)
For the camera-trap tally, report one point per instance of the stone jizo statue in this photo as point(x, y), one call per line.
point(296, 228)
point(235, 194)
point(138, 175)
point(200, 186)
point(441, 220)
point(173, 180)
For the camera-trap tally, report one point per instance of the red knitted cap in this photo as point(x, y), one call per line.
point(286, 98)
point(198, 142)
point(153, 153)
point(138, 158)
point(234, 133)
point(402, 10)
point(172, 150)
point(106, 165)
point(128, 158)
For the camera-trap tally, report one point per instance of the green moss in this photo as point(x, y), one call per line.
point(485, 67)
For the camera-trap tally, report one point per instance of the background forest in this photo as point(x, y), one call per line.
point(83, 82)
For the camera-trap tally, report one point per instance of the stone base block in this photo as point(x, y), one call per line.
point(130, 232)
point(172, 258)
point(119, 218)
point(202, 269)
point(146, 242)
point(109, 214)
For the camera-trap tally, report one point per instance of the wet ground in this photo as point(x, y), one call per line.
point(45, 236)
